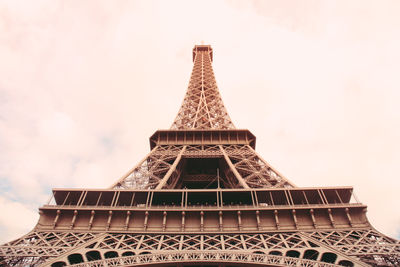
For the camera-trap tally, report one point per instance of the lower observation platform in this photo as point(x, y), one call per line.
point(202, 210)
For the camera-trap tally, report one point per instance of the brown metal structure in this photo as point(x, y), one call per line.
point(203, 196)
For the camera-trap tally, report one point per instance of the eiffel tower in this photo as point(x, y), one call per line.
point(203, 197)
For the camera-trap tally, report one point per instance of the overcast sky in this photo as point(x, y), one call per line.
point(83, 85)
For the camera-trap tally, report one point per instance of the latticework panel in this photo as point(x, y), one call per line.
point(202, 107)
point(151, 170)
point(202, 151)
point(369, 245)
point(243, 167)
point(35, 247)
point(140, 243)
point(22, 261)
point(255, 172)
point(286, 249)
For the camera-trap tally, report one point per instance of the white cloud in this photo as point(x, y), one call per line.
point(16, 220)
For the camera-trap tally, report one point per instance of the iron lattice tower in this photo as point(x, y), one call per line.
point(203, 196)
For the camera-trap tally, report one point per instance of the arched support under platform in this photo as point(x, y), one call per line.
point(205, 258)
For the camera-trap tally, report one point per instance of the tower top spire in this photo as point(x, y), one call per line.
point(202, 47)
point(202, 107)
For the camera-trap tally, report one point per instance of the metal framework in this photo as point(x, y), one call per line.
point(203, 197)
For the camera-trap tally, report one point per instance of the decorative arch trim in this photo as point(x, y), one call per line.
point(205, 257)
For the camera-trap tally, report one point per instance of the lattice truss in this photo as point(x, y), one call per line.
point(152, 169)
point(255, 171)
point(36, 247)
point(242, 167)
point(368, 245)
point(202, 107)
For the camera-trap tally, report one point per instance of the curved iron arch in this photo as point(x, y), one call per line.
point(205, 257)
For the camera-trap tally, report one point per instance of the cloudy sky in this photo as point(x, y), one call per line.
point(83, 85)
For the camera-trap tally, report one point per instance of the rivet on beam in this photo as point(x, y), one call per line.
point(276, 219)
point(258, 220)
point(73, 219)
point(220, 221)
point(202, 221)
point(239, 220)
point(164, 221)
point(91, 219)
point(295, 218)
point(313, 218)
point(128, 217)
point(146, 218)
point(109, 219)
point(183, 221)
point(331, 217)
point(348, 216)
point(56, 219)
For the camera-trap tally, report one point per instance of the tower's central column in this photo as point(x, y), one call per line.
point(202, 107)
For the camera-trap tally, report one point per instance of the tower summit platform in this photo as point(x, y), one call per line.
point(204, 48)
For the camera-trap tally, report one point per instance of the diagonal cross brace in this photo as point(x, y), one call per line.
point(233, 169)
point(171, 169)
